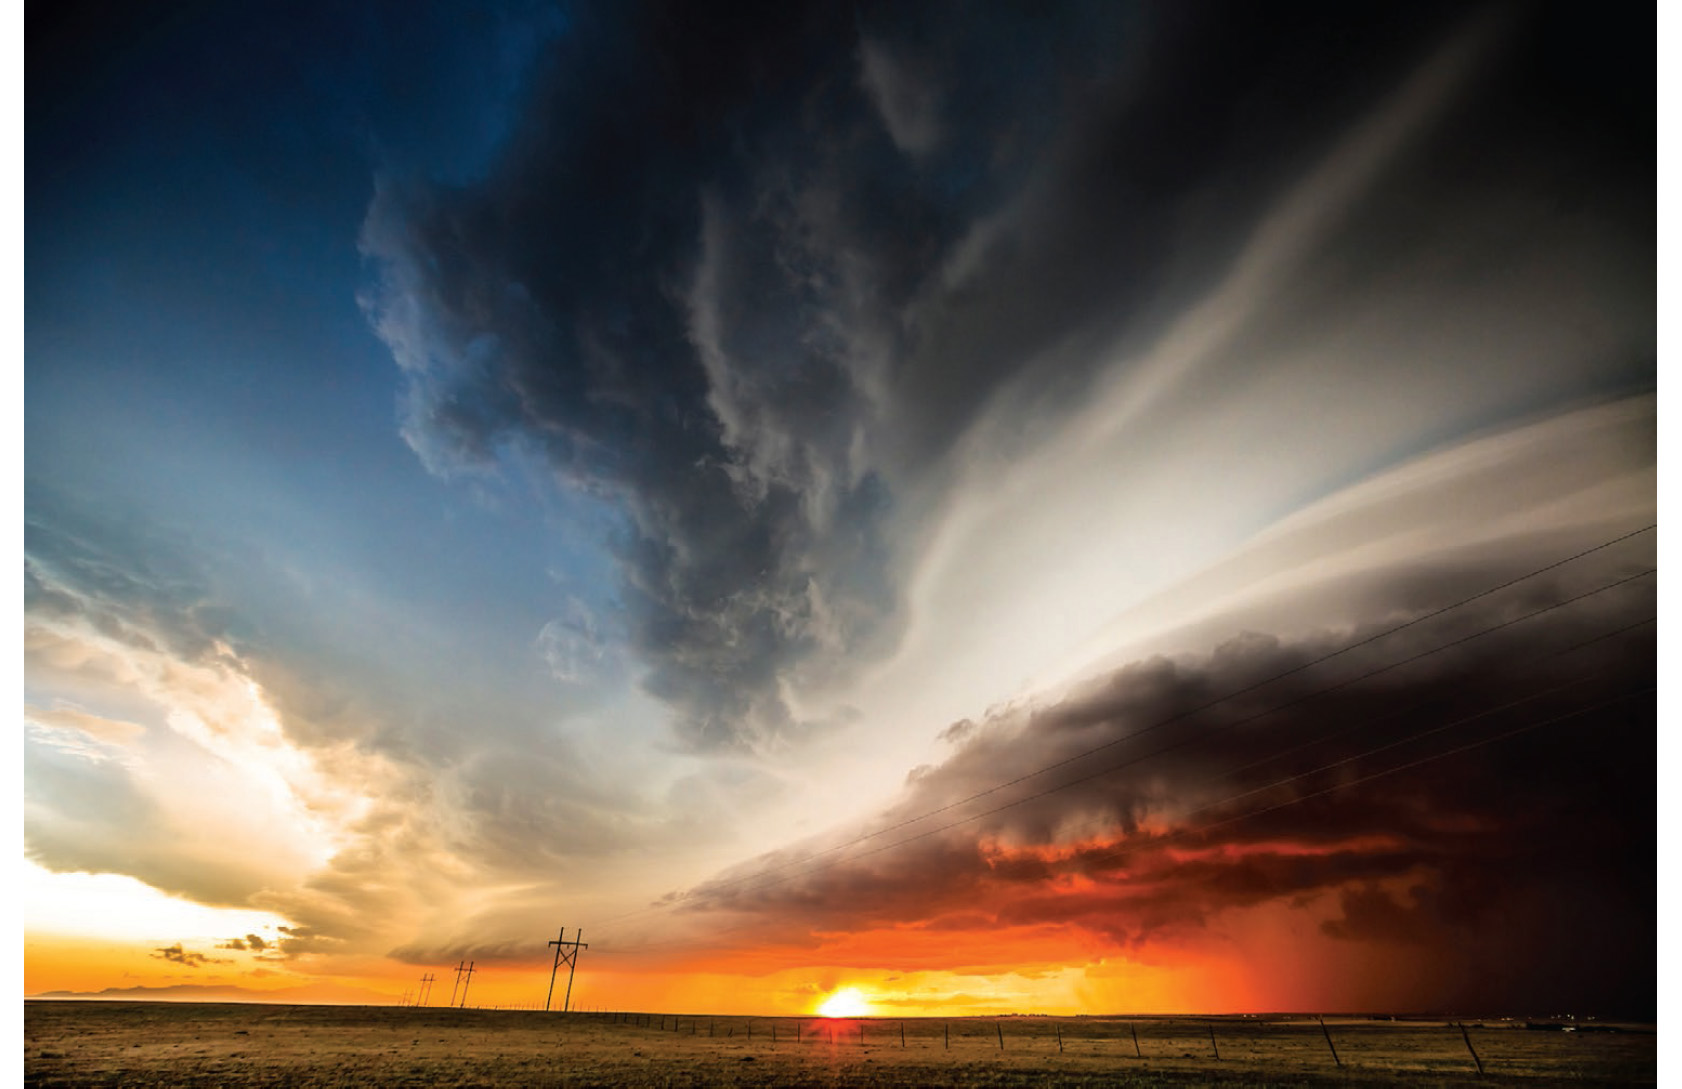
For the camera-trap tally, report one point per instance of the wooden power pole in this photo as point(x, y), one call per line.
point(568, 952)
point(461, 966)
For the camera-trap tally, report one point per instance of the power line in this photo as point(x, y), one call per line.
point(1141, 758)
point(1397, 743)
point(1469, 746)
point(1183, 833)
point(1180, 716)
point(771, 881)
point(1421, 735)
point(768, 878)
point(1408, 710)
point(1408, 740)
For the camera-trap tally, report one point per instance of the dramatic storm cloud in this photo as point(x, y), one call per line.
point(1182, 789)
point(1374, 764)
point(818, 266)
point(685, 469)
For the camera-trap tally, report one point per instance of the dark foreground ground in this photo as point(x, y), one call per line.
point(240, 1045)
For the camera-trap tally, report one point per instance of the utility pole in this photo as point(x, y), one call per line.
point(461, 966)
point(425, 990)
point(466, 985)
point(564, 951)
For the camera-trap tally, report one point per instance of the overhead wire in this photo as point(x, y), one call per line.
point(768, 877)
point(1181, 716)
point(1457, 750)
point(1345, 731)
point(1396, 743)
point(1136, 760)
point(1186, 833)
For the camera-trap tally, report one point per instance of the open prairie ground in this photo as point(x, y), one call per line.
point(95, 1043)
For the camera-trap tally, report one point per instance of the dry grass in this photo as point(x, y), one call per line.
point(240, 1045)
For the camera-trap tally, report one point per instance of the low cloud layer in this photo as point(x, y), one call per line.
point(1477, 786)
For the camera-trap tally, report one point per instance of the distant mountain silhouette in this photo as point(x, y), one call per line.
point(328, 993)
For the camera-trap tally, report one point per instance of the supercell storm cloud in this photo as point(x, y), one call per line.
point(755, 288)
point(805, 487)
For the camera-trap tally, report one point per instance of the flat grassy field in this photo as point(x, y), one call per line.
point(93, 1043)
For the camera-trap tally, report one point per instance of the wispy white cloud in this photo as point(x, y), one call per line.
point(76, 729)
point(910, 107)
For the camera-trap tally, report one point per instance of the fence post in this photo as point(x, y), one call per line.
point(1137, 1054)
point(1329, 1043)
point(1212, 1042)
point(1465, 1036)
point(1000, 1026)
point(1059, 1039)
point(946, 1026)
point(902, 1034)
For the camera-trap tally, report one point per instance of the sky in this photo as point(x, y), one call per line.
point(1123, 507)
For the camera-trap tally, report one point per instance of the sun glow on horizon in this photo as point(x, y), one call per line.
point(845, 1002)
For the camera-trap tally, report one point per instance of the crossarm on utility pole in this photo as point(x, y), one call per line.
point(568, 952)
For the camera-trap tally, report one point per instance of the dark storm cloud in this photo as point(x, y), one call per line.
point(546, 306)
point(752, 271)
point(1526, 863)
point(687, 287)
point(175, 954)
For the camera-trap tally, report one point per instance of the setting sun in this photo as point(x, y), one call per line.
point(846, 1002)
